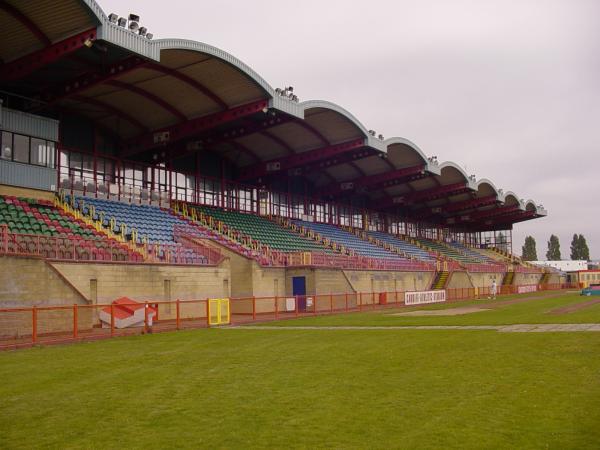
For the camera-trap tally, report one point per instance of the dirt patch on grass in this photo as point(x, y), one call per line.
point(576, 307)
point(477, 308)
point(500, 304)
point(443, 312)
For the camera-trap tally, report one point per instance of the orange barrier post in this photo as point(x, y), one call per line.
point(177, 314)
point(112, 319)
point(330, 302)
point(145, 317)
point(276, 308)
point(360, 303)
point(253, 308)
point(34, 325)
point(75, 321)
point(207, 314)
point(296, 305)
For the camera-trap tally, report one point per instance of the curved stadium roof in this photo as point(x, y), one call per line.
point(68, 54)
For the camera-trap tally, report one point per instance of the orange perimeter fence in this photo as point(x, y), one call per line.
point(41, 325)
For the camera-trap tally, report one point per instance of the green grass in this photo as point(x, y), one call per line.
point(533, 311)
point(254, 388)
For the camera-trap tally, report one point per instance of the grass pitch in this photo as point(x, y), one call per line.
point(308, 389)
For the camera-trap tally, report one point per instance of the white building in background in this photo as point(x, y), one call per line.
point(564, 266)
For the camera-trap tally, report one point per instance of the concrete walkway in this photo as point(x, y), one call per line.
point(519, 328)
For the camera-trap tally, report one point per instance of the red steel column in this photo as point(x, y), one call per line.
point(112, 319)
point(75, 321)
point(34, 325)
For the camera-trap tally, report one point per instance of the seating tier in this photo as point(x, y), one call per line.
point(349, 240)
point(264, 231)
point(408, 248)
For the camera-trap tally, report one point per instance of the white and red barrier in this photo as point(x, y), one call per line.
point(424, 297)
point(526, 289)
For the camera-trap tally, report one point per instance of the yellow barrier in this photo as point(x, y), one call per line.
point(218, 311)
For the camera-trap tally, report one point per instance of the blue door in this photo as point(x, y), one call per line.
point(299, 291)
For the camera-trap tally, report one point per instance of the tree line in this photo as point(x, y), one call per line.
point(579, 249)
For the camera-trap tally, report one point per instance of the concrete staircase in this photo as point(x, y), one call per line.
point(509, 278)
point(440, 280)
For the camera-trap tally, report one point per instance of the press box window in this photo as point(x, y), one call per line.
point(21, 148)
point(6, 150)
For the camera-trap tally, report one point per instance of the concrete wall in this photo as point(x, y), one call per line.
point(24, 192)
point(459, 280)
point(32, 281)
point(103, 283)
point(380, 281)
point(37, 284)
point(485, 279)
point(522, 279)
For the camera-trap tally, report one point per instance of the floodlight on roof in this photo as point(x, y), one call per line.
point(290, 88)
point(122, 22)
point(133, 26)
point(380, 137)
point(142, 31)
point(134, 18)
point(372, 132)
point(149, 36)
point(112, 17)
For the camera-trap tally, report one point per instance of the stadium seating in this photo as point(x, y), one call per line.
point(29, 216)
point(264, 231)
point(448, 252)
point(408, 248)
point(493, 255)
point(73, 238)
point(468, 251)
point(154, 223)
point(349, 240)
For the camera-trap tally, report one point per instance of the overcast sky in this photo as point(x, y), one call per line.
point(508, 89)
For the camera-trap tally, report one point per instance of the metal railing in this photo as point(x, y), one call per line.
point(104, 250)
point(26, 326)
point(65, 248)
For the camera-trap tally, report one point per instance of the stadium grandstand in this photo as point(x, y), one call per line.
point(168, 170)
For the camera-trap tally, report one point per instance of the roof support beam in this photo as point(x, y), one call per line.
point(26, 22)
point(232, 135)
point(520, 216)
point(482, 215)
point(470, 204)
point(30, 63)
point(504, 220)
point(175, 133)
point(149, 96)
point(375, 182)
point(456, 208)
point(91, 79)
point(190, 81)
point(426, 195)
point(112, 110)
point(301, 159)
point(278, 141)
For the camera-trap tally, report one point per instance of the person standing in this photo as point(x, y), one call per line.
point(493, 290)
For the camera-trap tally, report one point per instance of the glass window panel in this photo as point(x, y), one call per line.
point(6, 151)
point(21, 148)
point(51, 154)
point(39, 152)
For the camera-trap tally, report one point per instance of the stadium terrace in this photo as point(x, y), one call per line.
point(168, 172)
